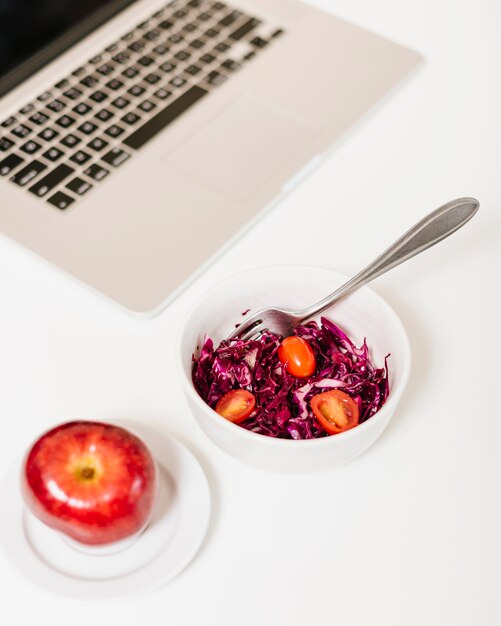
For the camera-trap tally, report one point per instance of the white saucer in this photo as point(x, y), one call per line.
point(167, 545)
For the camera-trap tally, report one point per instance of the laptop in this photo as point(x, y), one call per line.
point(138, 139)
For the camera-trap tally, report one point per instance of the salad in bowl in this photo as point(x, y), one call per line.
point(307, 402)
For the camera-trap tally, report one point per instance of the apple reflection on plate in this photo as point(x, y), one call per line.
point(96, 483)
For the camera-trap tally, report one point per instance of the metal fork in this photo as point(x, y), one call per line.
point(436, 226)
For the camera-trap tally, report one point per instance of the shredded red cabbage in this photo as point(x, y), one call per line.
point(283, 401)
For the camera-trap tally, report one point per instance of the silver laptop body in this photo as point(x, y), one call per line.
point(190, 119)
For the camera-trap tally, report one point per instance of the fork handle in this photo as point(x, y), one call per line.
point(436, 226)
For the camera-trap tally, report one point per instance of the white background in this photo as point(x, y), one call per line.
point(408, 533)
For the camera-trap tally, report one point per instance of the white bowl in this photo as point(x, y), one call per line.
point(362, 314)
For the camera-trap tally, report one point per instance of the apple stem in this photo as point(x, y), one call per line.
point(87, 472)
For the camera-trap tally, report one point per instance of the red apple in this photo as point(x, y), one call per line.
point(95, 482)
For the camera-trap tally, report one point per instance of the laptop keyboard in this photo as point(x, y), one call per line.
point(64, 143)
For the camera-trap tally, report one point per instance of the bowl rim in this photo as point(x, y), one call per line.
point(388, 406)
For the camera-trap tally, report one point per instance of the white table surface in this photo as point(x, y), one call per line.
point(408, 533)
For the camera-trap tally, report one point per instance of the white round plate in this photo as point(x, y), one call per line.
point(167, 545)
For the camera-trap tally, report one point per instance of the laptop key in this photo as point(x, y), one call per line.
point(70, 140)
point(204, 17)
point(145, 61)
point(104, 115)
point(73, 93)
point(164, 117)
point(39, 118)
point(87, 128)
point(89, 81)
point(259, 42)
point(183, 55)
point(230, 65)
point(175, 38)
point(97, 144)
point(190, 27)
point(136, 46)
point(115, 157)
point(177, 81)
point(105, 69)
point(30, 147)
point(47, 183)
point(114, 84)
point(61, 200)
point(62, 83)
point(212, 32)
point(130, 72)
point(121, 57)
point(147, 106)
point(10, 163)
point(56, 106)
point(246, 28)
point(82, 108)
point(136, 90)
point(167, 67)
point(207, 58)
point(151, 35)
point(27, 109)
point(53, 154)
point(48, 134)
point(80, 157)
point(10, 121)
point(5, 144)
point(28, 173)
point(96, 172)
point(114, 131)
point(130, 118)
point(46, 95)
point(160, 50)
point(21, 131)
point(65, 121)
point(152, 79)
point(120, 102)
point(222, 47)
point(227, 20)
point(162, 93)
point(98, 96)
point(216, 78)
point(79, 186)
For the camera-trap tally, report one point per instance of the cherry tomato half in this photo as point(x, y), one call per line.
point(236, 405)
point(335, 410)
point(296, 354)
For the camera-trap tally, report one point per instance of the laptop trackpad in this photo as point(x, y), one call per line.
point(244, 146)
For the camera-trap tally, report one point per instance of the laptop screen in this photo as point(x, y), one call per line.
point(33, 32)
